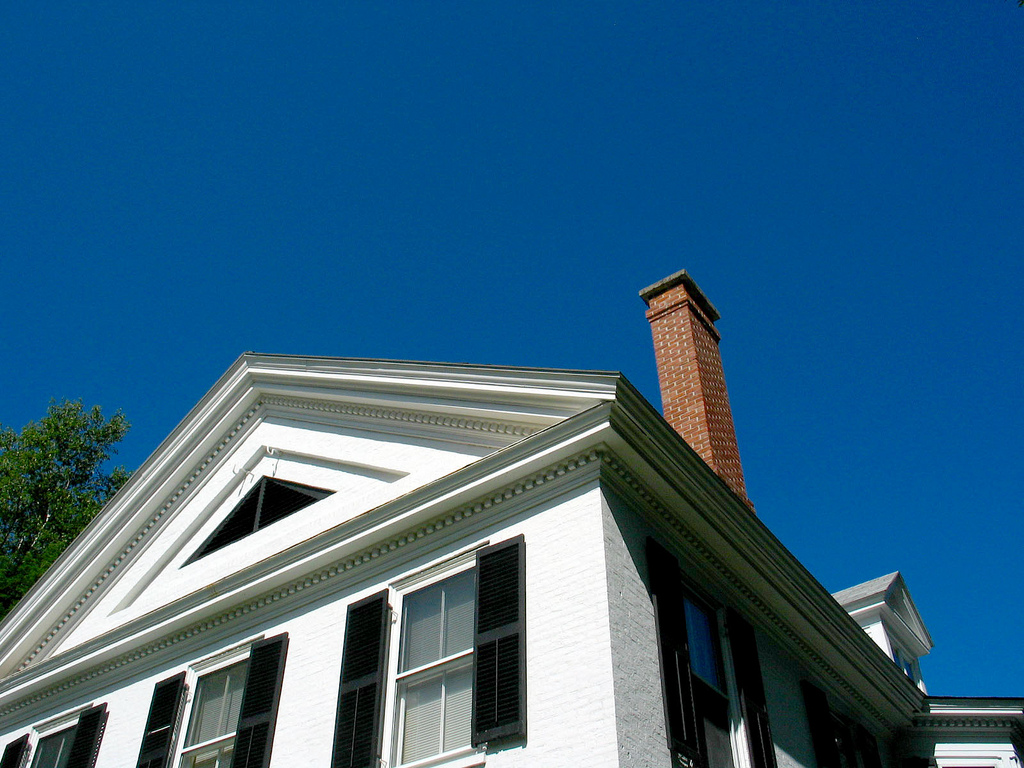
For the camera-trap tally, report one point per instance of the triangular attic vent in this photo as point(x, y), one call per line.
point(267, 502)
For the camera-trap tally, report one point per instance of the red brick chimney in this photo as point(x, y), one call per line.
point(693, 395)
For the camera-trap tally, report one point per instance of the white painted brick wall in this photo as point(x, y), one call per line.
point(640, 714)
point(570, 691)
point(786, 710)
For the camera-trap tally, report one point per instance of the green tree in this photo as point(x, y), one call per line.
point(53, 481)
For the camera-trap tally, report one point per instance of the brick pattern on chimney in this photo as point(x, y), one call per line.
point(693, 394)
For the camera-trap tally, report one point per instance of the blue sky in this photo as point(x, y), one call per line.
point(494, 184)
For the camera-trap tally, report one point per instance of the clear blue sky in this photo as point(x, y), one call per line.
point(473, 182)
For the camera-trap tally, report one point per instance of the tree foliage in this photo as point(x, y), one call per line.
point(53, 482)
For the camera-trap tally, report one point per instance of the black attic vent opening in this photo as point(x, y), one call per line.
point(267, 502)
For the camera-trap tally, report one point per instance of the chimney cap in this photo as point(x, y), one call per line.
point(683, 278)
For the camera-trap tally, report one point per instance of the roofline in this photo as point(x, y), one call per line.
point(794, 608)
point(398, 364)
point(976, 702)
point(238, 389)
point(773, 581)
point(850, 594)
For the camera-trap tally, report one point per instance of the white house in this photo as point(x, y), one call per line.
point(336, 562)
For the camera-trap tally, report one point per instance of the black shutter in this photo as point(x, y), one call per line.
point(86, 744)
point(499, 658)
point(162, 722)
point(357, 730)
point(751, 688)
point(670, 620)
point(868, 748)
point(819, 718)
point(14, 753)
point(258, 716)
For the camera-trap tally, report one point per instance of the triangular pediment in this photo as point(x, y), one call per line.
point(886, 602)
point(333, 438)
point(902, 605)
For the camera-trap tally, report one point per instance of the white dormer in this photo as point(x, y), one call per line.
point(884, 609)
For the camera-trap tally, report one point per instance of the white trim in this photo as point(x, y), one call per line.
point(486, 400)
point(31, 755)
point(739, 729)
point(411, 583)
point(224, 658)
point(464, 757)
point(216, 744)
point(59, 723)
point(437, 571)
point(424, 511)
point(434, 664)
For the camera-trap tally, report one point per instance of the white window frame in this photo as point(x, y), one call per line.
point(193, 674)
point(462, 757)
point(738, 726)
point(904, 659)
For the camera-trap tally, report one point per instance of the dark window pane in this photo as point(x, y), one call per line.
point(53, 751)
point(703, 645)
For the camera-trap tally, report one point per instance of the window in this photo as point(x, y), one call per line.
point(14, 752)
point(53, 751)
point(468, 625)
point(703, 640)
point(694, 685)
point(211, 733)
point(907, 663)
point(838, 742)
point(268, 501)
point(69, 741)
point(435, 680)
point(233, 712)
point(710, 700)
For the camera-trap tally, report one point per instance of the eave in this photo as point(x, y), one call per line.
point(734, 548)
point(525, 472)
point(478, 400)
point(624, 442)
point(978, 716)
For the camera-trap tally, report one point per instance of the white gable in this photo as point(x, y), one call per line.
point(363, 470)
point(368, 432)
point(885, 611)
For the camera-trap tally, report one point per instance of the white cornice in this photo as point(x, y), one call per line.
point(403, 416)
point(177, 495)
point(977, 716)
point(972, 714)
point(393, 393)
point(387, 415)
point(696, 548)
point(529, 395)
point(549, 452)
point(737, 549)
point(435, 377)
point(33, 681)
point(672, 483)
point(30, 680)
